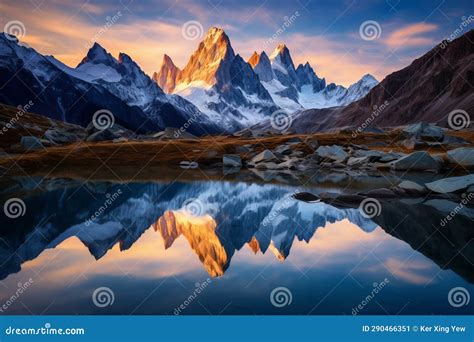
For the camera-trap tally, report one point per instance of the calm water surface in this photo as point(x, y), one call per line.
point(210, 247)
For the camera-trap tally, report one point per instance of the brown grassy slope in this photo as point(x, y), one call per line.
point(139, 154)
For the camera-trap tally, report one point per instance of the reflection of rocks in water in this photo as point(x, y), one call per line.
point(425, 227)
point(450, 246)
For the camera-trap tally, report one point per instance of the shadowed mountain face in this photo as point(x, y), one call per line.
point(217, 219)
point(426, 90)
point(99, 82)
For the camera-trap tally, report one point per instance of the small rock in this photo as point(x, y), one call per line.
point(451, 140)
point(104, 135)
point(463, 156)
point(425, 131)
point(188, 165)
point(334, 152)
point(232, 160)
point(411, 186)
point(412, 143)
point(267, 165)
point(59, 136)
point(283, 149)
point(452, 184)
point(266, 155)
point(243, 149)
point(314, 144)
point(352, 161)
point(3, 153)
point(31, 143)
point(306, 197)
point(420, 160)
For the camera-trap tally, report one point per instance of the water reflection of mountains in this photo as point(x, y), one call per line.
point(217, 219)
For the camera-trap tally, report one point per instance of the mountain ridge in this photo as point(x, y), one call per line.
point(428, 90)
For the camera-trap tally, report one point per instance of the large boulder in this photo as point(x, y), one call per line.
point(451, 184)
point(420, 160)
point(334, 152)
point(283, 149)
point(31, 143)
point(425, 131)
point(463, 156)
point(264, 156)
point(411, 186)
point(62, 136)
point(232, 160)
point(375, 155)
point(105, 135)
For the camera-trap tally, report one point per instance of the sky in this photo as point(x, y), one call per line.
point(342, 39)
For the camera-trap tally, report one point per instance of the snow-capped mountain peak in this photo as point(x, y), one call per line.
point(210, 63)
point(306, 75)
point(262, 66)
point(98, 55)
point(220, 83)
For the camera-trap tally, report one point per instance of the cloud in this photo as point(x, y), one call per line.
point(411, 35)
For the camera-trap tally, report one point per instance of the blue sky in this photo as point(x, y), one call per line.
point(325, 33)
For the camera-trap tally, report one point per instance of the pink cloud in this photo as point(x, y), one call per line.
point(411, 35)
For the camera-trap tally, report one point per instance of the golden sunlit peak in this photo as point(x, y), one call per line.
point(215, 31)
point(254, 59)
point(278, 253)
point(254, 244)
point(199, 231)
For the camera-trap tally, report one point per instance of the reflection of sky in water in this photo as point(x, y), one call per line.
point(329, 275)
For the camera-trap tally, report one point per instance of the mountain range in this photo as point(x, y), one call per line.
point(428, 90)
point(217, 86)
point(219, 92)
point(219, 81)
